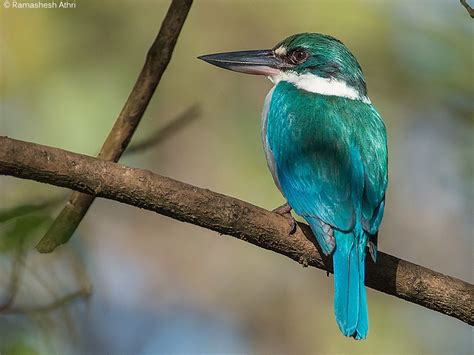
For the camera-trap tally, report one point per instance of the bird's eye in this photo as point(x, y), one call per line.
point(298, 56)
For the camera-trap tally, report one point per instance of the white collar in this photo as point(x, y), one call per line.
point(324, 86)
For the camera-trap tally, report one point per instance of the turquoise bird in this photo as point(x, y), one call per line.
point(326, 148)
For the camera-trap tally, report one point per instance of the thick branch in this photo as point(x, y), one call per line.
point(158, 57)
point(226, 215)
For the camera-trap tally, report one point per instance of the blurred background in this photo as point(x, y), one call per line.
point(134, 282)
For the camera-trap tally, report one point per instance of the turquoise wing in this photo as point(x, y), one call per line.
point(369, 136)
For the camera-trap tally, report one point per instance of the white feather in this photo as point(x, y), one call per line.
point(280, 51)
point(323, 86)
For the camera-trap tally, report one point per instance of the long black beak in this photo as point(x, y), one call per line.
point(257, 62)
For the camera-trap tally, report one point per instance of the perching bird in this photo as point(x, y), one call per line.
point(326, 148)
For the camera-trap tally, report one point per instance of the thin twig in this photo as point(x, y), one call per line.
point(58, 303)
point(166, 132)
point(158, 57)
point(18, 267)
point(469, 9)
point(15, 277)
point(226, 215)
point(22, 210)
point(83, 279)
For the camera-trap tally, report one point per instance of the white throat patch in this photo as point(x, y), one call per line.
point(323, 86)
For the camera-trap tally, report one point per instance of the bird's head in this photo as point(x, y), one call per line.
point(311, 61)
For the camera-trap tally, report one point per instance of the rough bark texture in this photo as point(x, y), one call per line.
point(226, 215)
point(157, 59)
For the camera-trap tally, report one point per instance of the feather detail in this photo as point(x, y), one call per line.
point(324, 234)
point(350, 304)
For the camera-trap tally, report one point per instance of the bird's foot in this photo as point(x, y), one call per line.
point(285, 211)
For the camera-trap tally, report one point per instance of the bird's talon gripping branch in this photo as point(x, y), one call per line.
point(285, 211)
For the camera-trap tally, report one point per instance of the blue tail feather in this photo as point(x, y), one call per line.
point(350, 304)
point(363, 323)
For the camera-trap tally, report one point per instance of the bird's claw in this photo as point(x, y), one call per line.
point(285, 211)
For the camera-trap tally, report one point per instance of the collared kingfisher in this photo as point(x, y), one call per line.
point(326, 148)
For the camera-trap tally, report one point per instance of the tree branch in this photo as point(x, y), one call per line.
point(158, 57)
point(15, 276)
point(58, 303)
point(226, 215)
point(469, 9)
point(8, 307)
point(165, 132)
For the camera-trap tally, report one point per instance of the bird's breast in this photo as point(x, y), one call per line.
point(268, 153)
